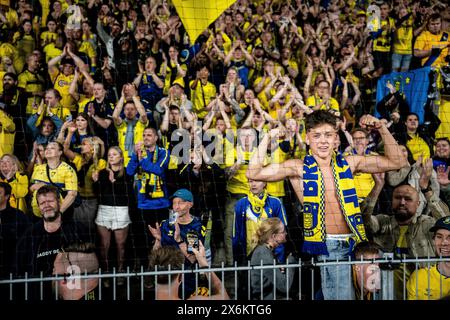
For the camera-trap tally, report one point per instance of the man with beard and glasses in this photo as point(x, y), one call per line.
point(406, 233)
point(38, 247)
point(15, 104)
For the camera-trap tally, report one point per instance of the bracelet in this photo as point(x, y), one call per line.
point(427, 189)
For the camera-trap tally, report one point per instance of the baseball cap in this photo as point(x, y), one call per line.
point(442, 223)
point(178, 82)
point(184, 194)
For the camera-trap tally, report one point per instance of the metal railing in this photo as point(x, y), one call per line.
point(142, 285)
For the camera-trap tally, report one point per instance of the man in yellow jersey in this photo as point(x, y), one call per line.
point(406, 232)
point(415, 142)
point(236, 163)
point(433, 282)
point(130, 129)
point(63, 77)
point(432, 46)
point(202, 92)
point(32, 83)
point(403, 35)
point(382, 40)
point(322, 100)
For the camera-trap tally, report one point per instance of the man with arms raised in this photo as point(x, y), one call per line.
point(331, 214)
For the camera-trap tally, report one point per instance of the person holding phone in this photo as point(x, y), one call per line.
point(185, 233)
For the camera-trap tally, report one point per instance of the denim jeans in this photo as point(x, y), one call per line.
point(337, 280)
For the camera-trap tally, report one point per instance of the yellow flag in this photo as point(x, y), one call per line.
point(197, 15)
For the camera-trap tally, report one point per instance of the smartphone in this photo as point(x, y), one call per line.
point(192, 241)
point(173, 215)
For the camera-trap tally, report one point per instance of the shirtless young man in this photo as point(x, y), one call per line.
point(329, 224)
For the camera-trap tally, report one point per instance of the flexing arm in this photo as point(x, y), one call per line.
point(274, 171)
point(393, 158)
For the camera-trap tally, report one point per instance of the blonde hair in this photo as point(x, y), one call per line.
point(16, 163)
point(98, 148)
point(108, 167)
point(266, 229)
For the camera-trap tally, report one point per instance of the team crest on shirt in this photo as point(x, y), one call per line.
point(62, 83)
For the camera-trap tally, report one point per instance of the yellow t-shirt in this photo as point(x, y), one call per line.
point(62, 113)
point(62, 84)
point(31, 83)
point(276, 188)
point(418, 147)
point(87, 48)
point(427, 41)
point(178, 79)
point(201, 96)
point(51, 51)
point(315, 100)
point(63, 176)
point(19, 186)
point(383, 42)
point(401, 242)
point(239, 182)
point(437, 287)
point(7, 134)
point(88, 189)
point(403, 36)
point(48, 37)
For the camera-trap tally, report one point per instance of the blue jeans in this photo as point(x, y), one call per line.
point(401, 62)
point(337, 280)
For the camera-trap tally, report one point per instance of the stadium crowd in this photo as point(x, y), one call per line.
point(117, 131)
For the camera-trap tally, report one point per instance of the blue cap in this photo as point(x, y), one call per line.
point(184, 194)
point(442, 223)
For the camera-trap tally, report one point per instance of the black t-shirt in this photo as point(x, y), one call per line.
point(120, 193)
point(48, 248)
point(37, 248)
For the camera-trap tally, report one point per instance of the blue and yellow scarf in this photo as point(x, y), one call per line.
point(314, 203)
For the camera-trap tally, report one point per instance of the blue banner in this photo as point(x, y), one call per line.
point(412, 84)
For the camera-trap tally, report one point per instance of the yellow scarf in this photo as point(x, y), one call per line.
point(151, 184)
point(257, 203)
point(314, 203)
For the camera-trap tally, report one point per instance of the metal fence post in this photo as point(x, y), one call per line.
point(387, 281)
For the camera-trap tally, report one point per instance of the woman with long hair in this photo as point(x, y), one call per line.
point(115, 195)
point(83, 129)
point(89, 159)
point(11, 173)
point(232, 89)
point(270, 234)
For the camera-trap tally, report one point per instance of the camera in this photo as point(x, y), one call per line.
point(192, 241)
point(173, 215)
